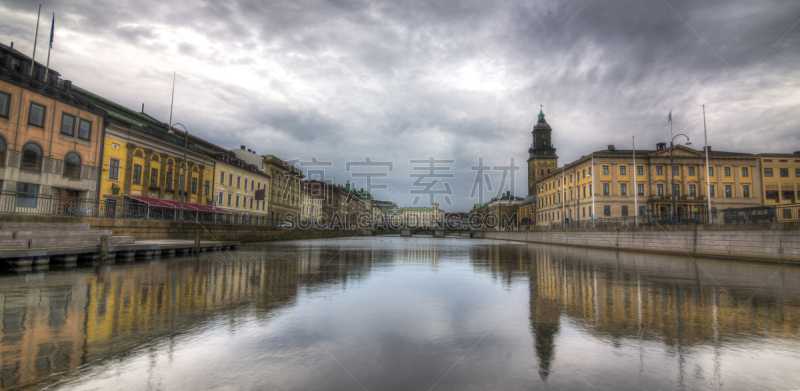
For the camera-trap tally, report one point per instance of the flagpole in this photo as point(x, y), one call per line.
point(708, 180)
point(172, 100)
point(635, 187)
point(35, 39)
point(52, 30)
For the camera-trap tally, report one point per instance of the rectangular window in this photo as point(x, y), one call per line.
point(207, 188)
point(169, 180)
point(676, 189)
point(245, 183)
point(641, 211)
point(251, 202)
point(745, 172)
point(624, 210)
point(194, 185)
point(85, 129)
point(746, 191)
point(640, 189)
point(26, 195)
point(639, 170)
point(726, 171)
point(113, 169)
point(623, 189)
point(623, 170)
point(153, 177)
point(36, 115)
point(605, 189)
point(787, 195)
point(238, 183)
point(606, 210)
point(710, 171)
point(712, 191)
point(691, 170)
point(797, 172)
point(137, 174)
point(584, 211)
point(660, 190)
point(230, 198)
point(768, 172)
point(584, 191)
point(692, 190)
point(605, 170)
point(221, 198)
point(590, 171)
point(771, 195)
point(237, 200)
point(230, 179)
point(222, 177)
point(5, 104)
point(784, 172)
point(68, 125)
point(253, 185)
point(659, 170)
point(787, 213)
point(728, 191)
point(675, 171)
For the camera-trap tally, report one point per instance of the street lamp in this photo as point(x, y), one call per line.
point(185, 165)
point(672, 171)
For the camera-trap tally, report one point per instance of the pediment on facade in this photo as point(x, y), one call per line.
point(680, 151)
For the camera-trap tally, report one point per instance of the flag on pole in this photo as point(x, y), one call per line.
point(669, 117)
point(52, 30)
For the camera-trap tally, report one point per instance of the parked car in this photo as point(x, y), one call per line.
point(285, 225)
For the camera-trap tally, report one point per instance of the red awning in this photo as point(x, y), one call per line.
point(169, 204)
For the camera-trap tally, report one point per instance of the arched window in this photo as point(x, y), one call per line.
point(154, 158)
point(72, 165)
point(194, 169)
point(2, 152)
point(138, 153)
point(169, 162)
point(31, 157)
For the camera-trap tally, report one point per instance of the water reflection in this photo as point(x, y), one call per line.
point(667, 313)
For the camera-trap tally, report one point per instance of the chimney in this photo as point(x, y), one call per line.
point(248, 150)
point(142, 108)
point(12, 45)
point(68, 85)
point(660, 146)
point(241, 146)
point(709, 148)
point(611, 147)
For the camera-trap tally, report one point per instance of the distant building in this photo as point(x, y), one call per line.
point(432, 217)
point(499, 213)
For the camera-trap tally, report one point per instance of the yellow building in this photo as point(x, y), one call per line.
point(572, 192)
point(781, 178)
point(50, 140)
point(241, 188)
point(142, 163)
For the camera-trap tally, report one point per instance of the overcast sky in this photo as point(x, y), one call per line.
point(400, 80)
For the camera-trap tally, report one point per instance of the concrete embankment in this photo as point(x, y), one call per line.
point(151, 230)
point(765, 242)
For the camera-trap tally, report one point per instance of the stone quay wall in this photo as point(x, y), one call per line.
point(766, 241)
point(152, 230)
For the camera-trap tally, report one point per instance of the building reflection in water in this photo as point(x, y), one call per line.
point(680, 302)
point(55, 322)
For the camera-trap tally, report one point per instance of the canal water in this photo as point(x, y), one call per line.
point(391, 313)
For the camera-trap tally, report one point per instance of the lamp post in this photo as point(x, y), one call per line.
point(185, 165)
point(672, 171)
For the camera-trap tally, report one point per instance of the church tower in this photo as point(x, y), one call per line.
point(543, 159)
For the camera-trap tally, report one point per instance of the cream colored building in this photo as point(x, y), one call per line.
point(417, 217)
point(310, 206)
point(237, 185)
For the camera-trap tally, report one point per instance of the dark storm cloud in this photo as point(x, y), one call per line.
point(453, 79)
